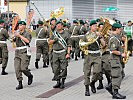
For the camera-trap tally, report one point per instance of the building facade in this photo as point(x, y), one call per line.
point(84, 9)
point(20, 7)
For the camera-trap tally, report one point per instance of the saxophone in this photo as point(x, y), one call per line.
point(91, 38)
point(126, 58)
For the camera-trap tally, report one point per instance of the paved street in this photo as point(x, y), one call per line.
point(43, 84)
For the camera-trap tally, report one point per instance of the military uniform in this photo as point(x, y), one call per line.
point(92, 59)
point(82, 31)
point(116, 67)
point(60, 62)
point(106, 68)
point(51, 30)
point(3, 48)
point(74, 31)
point(122, 63)
point(22, 58)
point(42, 45)
point(105, 65)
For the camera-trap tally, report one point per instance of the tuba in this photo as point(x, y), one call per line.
point(126, 58)
point(105, 32)
point(107, 26)
point(91, 38)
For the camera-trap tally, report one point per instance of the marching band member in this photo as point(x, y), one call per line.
point(42, 45)
point(22, 55)
point(61, 51)
point(105, 65)
point(3, 47)
point(115, 61)
point(74, 31)
point(92, 59)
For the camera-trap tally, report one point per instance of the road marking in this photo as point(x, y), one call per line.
point(57, 90)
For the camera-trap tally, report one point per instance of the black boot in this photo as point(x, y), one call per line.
point(72, 55)
point(109, 88)
point(100, 85)
point(3, 71)
point(116, 95)
point(83, 55)
point(62, 86)
point(93, 89)
point(36, 65)
point(76, 58)
point(48, 62)
point(30, 79)
point(44, 65)
point(108, 77)
point(57, 85)
point(87, 92)
point(79, 54)
point(109, 80)
point(123, 74)
point(20, 86)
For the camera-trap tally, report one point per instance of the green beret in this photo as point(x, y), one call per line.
point(92, 22)
point(97, 20)
point(101, 23)
point(22, 22)
point(53, 19)
point(65, 24)
point(117, 25)
point(58, 22)
point(1, 21)
point(81, 22)
point(75, 21)
point(40, 22)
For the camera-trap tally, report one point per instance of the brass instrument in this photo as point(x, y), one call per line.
point(91, 38)
point(126, 58)
point(107, 26)
point(14, 24)
point(105, 31)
